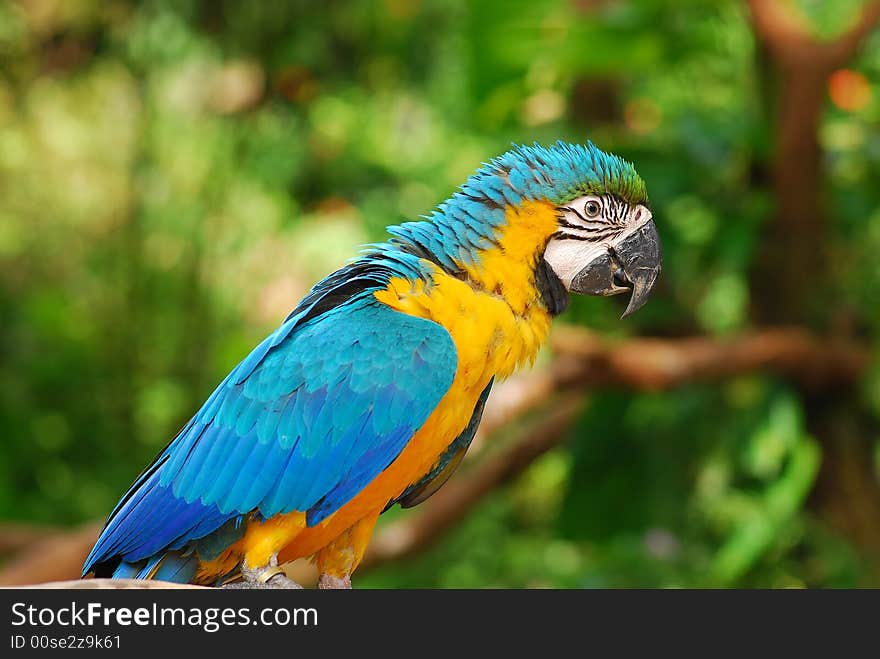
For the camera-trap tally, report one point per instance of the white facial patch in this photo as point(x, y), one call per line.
point(588, 227)
point(568, 257)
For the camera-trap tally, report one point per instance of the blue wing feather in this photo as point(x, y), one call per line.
point(307, 420)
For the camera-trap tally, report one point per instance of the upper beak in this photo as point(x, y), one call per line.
point(633, 265)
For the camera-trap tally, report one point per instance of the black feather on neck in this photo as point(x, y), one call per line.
point(553, 292)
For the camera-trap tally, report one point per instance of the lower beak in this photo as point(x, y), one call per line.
point(633, 265)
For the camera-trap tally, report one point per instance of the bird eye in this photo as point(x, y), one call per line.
point(592, 208)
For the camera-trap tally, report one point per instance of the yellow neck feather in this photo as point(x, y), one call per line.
point(509, 270)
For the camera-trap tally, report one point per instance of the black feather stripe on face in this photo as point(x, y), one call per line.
point(610, 221)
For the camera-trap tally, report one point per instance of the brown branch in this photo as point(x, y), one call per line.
point(847, 45)
point(583, 361)
point(786, 34)
point(15, 536)
point(780, 27)
point(813, 363)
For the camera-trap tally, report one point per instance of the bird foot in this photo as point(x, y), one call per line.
point(269, 577)
point(329, 582)
point(276, 582)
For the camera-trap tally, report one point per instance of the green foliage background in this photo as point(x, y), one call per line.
point(175, 174)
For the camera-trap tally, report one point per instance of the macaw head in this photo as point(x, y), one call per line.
point(574, 210)
point(606, 242)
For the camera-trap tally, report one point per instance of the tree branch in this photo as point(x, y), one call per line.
point(845, 47)
point(786, 34)
point(587, 360)
point(15, 536)
point(780, 27)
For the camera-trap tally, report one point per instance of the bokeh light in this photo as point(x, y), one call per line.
point(849, 90)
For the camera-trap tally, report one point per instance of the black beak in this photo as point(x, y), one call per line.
point(633, 265)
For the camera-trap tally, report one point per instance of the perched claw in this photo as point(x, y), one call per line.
point(269, 576)
point(329, 582)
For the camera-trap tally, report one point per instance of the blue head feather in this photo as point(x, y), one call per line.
point(469, 220)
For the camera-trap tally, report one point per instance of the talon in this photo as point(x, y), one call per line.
point(329, 582)
point(268, 573)
point(270, 576)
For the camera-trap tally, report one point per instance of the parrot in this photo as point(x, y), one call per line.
point(370, 392)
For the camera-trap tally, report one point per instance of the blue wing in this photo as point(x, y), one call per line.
point(304, 423)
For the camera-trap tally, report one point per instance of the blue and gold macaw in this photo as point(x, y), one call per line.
point(371, 390)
